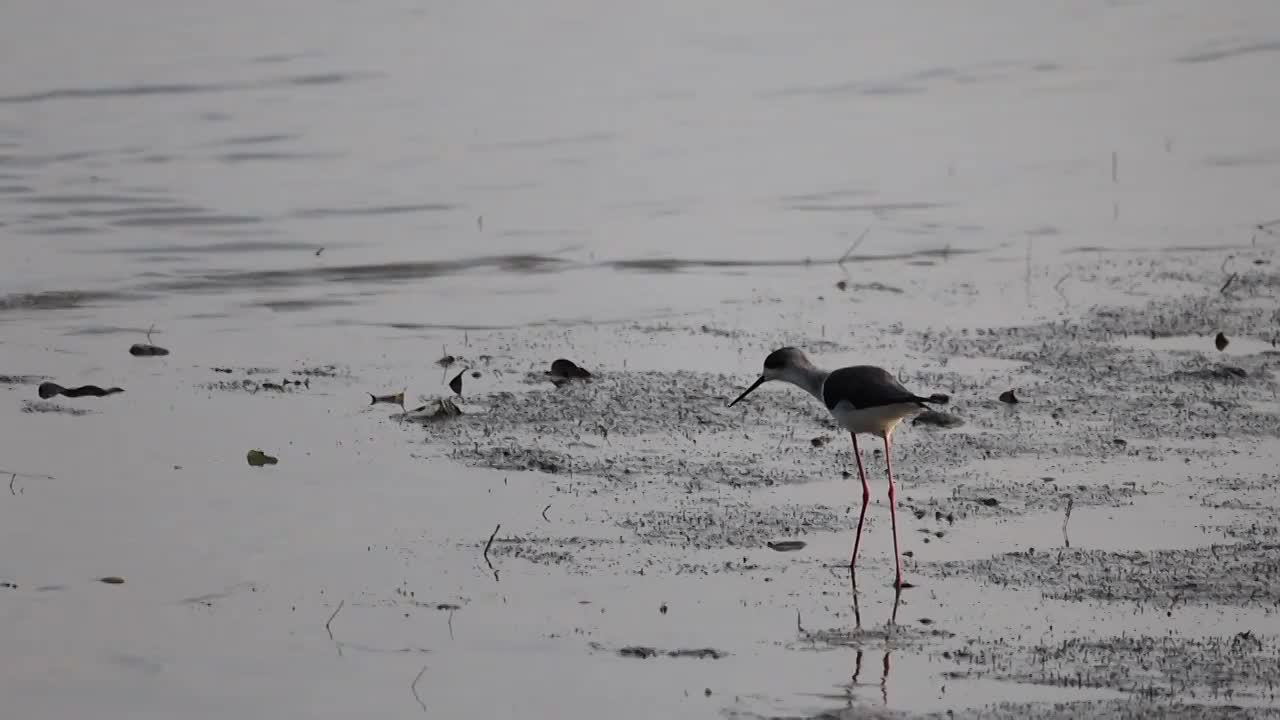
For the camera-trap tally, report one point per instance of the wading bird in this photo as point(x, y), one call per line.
point(861, 399)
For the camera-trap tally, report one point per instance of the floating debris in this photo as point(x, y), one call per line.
point(446, 361)
point(112, 580)
point(1221, 342)
point(257, 458)
point(50, 389)
point(1008, 397)
point(396, 399)
point(989, 502)
point(146, 350)
point(820, 440)
point(456, 384)
point(786, 545)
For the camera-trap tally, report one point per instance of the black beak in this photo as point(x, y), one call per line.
point(754, 385)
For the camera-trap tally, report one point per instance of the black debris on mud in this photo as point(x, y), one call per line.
point(1239, 574)
point(1243, 666)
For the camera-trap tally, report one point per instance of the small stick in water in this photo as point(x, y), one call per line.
point(414, 687)
point(489, 544)
point(331, 617)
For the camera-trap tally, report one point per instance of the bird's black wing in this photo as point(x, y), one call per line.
point(865, 386)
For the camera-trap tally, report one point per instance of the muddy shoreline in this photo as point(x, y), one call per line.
point(1112, 535)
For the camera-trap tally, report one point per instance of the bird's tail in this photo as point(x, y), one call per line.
point(937, 398)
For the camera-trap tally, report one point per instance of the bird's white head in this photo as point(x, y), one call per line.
point(789, 365)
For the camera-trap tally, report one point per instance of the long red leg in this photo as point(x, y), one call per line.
point(893, 514)
point(866, 498)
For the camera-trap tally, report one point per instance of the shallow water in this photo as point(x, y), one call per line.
point(345, 192)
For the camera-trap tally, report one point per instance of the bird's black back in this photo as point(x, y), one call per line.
point(865, 386)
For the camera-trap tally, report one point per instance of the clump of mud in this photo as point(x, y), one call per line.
point(1239, 574)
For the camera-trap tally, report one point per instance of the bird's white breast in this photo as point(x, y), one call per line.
point(875, 420)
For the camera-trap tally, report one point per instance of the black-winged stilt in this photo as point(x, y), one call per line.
point(861, 399)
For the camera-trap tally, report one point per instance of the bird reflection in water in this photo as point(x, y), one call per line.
point(884, 672)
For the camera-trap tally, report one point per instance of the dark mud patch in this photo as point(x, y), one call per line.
point(45, 407)
point(301, 305)
point(1239, 574)
point(284, 381)
point(1010, 499)
point(902, 635)
point(697, 523)
point(644, 652)
point(1242, 666)
point(251, 386)
point(1125, 709)
point(648, 424)
point(368, 274)
point(60, 299)
point(567, 552)
point(1087, 383)
point(22, 379)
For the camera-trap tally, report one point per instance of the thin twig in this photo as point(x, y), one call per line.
point(490, 543)
point(1057, 287)
point(1227, 284)
point(11, 479)
point(414, 688)
point(331, 617)
point(149, 330)
point(853, 247)
point(451, 624)
point(544, 512)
